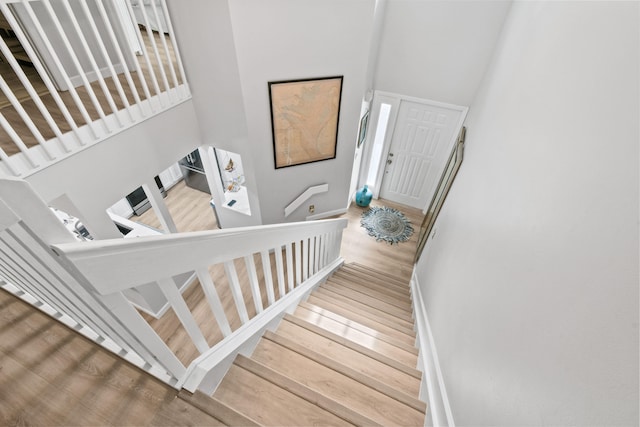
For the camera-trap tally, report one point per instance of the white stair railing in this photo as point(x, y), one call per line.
point(292, 256)
point(88, 68)
point(27, 264)
point(87, 279)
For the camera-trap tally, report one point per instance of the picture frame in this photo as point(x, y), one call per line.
point(362, 131)
point(304, 119)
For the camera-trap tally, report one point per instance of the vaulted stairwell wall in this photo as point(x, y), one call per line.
point(531, 281)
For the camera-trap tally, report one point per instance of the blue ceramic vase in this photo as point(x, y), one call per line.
point(363, 196)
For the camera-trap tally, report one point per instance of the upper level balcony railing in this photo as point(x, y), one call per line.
point(74, 72)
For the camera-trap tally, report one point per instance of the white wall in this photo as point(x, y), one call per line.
point(99, 176)
point(531, 283)
point(438, 49)
point(205, 37)
point(293, 39)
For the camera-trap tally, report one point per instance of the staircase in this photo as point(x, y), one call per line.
point(345, 356)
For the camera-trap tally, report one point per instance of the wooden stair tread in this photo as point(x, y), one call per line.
point(363, 309)
point(352, 394)
point(335, 323)
point(363, 271)
point(377, 277)
point(367, 364)
point(371, 297)
point(216, 409)
point(303, 391)
point(366, 289)
point(370, 282)
point(391, 355)
point(372, 302)
point(179, 412)
point(372, 322)
point(257, 398)
point(338, 366)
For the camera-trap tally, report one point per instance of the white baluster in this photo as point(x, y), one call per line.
point(268, 280)
point(280, 271)
point(32, 93)
point(145, 54)
point(174, 42)
point(25, 117)
point(78, 66)
point(92, 61)
point(170, 291)
point(121, 59)
point(318, 255)
point(164, 44)
point(42, 72)
point(305, 259)
point(210, 292)
point(236, 291)
point(253, 282)
point(290, 266)
point(298, 261)
point(154, 46)
point(17, 140)
point(105, 55)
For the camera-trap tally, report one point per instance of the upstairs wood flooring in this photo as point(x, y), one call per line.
point(12, 116)
point(50, 375)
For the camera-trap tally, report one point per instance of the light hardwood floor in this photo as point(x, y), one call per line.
point(49, 375)
point(189, 209)
point(52, 376)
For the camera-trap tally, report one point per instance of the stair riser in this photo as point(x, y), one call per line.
point(373, 303)
point(350, 303)
point(376, 283)
point(352, 394)
point(318, 316)
point(404, 335)
point(385, 297)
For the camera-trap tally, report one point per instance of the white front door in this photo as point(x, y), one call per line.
point(423, 136)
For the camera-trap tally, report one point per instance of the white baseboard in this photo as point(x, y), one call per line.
point(432, 389)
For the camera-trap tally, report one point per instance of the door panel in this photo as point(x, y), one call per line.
point(423, 136)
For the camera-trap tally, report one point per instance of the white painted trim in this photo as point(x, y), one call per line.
point(316, 189)
point(218, 356)
point(327, 214)
point(432, 381)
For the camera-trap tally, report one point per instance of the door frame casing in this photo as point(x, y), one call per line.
point(395, 101)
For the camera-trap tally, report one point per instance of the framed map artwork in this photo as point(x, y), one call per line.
point(304, 120)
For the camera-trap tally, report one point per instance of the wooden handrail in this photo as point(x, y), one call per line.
point(117, 264)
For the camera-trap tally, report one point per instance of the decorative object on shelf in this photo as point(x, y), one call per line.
point(234, 185)
point(231, 172)
point(364, 124)
point(387, 224)
point(363, 196)
point(304, 119)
